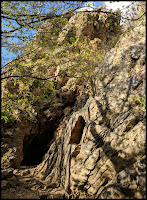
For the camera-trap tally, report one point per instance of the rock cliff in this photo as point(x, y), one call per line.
point(87, 140)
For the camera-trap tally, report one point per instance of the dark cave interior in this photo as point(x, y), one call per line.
point(34, 148)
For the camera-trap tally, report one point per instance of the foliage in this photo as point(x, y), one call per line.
point(5, 155)
point(7, 116)
point(136, 12)
point(34, 72)
point(20, 17)
point(141, 101)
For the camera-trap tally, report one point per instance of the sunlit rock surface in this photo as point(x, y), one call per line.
point(85, 144)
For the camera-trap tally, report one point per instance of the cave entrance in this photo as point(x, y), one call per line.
point(34, 148)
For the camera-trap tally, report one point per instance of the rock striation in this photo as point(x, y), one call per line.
point(91, 142)
point(101, 150)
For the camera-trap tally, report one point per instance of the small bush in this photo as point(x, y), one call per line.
point(7, 116)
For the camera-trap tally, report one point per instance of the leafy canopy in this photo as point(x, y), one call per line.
point(38, 61)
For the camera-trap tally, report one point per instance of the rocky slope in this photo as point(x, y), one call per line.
point(88, 141)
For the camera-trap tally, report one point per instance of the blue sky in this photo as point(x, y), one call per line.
point(9, 56)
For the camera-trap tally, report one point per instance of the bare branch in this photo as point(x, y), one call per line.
point(107, 12)
point(34, 77)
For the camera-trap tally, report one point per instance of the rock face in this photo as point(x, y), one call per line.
point(27, 147)
point(89, 24)
point(96, 43)
point(93, 141)
point(101, 151)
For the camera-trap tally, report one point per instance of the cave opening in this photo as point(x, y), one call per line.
point(34, 148)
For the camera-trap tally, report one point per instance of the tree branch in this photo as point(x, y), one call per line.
point(107, 12)
point(34, 77)
point(11, 31)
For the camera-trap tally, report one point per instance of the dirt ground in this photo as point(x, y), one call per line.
point(22, 185)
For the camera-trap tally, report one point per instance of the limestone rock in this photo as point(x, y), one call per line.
point(108, 132)
point(4, 184)
point(57, 193)
point(95, 43)
point(92, 30)
point(99, 148)
point(8, 173)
